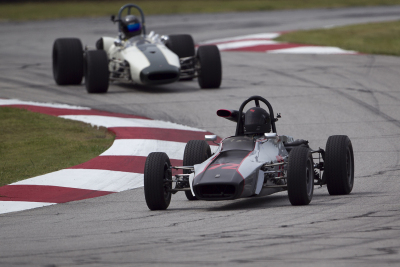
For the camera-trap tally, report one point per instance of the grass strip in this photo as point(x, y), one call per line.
point(372, 38)
point(32, 144)
point(69, 9)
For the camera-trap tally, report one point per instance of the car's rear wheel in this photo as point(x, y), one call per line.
point(96, 71)
point(209, 67)
point(339, 165)
point(181, 44)
point(157, 181)
point(196, 152)
point(67, 61)
point(300, 176)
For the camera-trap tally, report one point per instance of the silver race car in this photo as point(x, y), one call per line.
point(136, 57)
point(255, 162)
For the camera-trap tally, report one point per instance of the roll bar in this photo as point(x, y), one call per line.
point(129, 7)
point(256, 98)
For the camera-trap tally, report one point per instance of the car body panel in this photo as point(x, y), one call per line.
point(237, 163)
point(148, 60)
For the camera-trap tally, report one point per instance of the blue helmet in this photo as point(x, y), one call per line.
point(131, 26)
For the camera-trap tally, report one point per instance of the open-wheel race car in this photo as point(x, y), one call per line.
point(255, 162)
point(135, 57)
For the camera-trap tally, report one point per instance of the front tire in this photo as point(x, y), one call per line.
point(196, 151)
point(67, 60)
point(209, 66)
point(339, 165)
point(156, 173)
point(96, 71)
point(300, 176)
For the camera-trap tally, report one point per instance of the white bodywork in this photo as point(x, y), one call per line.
point(130, 60)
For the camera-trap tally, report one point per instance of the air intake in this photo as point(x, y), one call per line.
point(162, 76)
point(215, 191)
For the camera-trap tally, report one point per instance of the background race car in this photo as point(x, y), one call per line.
point(135, 57)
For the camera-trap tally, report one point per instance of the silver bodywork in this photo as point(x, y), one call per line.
point(255, 162)
point(263, 165)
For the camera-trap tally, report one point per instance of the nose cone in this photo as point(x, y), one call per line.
point(218, 182)
point(159, 71)
point(159, 74)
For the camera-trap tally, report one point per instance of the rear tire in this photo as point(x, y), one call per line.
point(300, 176)
point(181, 44)
point(96, 71)
point(67, 61)
point(156, 172)
point(209, 66)
point(339, 165)
point(196, 151)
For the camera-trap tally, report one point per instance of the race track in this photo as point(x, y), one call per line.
point(318, 96)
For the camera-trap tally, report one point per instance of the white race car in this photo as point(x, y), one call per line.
point(135, 57)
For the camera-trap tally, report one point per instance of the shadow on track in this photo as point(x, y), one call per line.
point(157, 89)
point(254, 203)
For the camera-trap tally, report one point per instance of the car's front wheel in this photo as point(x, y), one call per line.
point(96, 71)
point(339, 165)
point(209, 66)
point(157, 181)
point(300, 176)
point(196, 152)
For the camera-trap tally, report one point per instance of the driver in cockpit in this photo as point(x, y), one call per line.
point(131, 26)
point(257, 121)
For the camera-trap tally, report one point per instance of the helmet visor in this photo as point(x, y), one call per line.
point(133, 27)
point(255, 117)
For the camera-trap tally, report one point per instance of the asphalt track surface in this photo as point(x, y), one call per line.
point(318, 96)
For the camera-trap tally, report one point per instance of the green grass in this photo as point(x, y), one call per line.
point(32, 144)
point(372, 38)
point(64, 9)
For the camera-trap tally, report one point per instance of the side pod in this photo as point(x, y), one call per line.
point(231, 115)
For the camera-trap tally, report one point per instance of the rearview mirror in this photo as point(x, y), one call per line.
point(212, 137)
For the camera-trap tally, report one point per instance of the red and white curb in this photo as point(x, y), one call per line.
point(118, 169)
point(263, 42)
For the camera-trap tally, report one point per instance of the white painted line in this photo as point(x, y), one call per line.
point(271, 35)
point(102, 180)
point(31, 103)
point(246, 43)
point(312, 50)
point(13, 206)
point(107, 121)
point(143, 147)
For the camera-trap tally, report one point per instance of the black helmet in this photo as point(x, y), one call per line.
point(131, 26)
point(257, 121)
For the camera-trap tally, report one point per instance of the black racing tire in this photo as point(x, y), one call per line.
point(181, 44)
point(156, 172)
point(300, 176)
point(209, 66)
point(196, 151)
point(67, 61)
point(96, 71)
point(339, 165)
